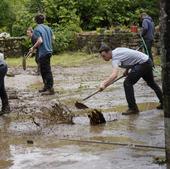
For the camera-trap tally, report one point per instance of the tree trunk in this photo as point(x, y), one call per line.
point(165, 43)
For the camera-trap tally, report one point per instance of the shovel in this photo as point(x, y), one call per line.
point(82, 106)
point(24, 64)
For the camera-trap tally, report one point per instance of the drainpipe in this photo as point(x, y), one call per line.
point(165, 58)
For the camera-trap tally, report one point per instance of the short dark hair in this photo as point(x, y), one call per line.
point(39, 19)
point(104, 48)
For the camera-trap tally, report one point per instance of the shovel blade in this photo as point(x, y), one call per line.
point(24, 63)
point(79, 105)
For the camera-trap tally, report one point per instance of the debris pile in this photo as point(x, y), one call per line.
point(57, 113)
point(96, 117)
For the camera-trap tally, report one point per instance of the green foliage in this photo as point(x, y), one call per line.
point(106, 13)
point(34, 6)
point(66, 17)
point(23, 22)
point(7, 15)
point(65, 37)
point(59, 11)
point(62, 17)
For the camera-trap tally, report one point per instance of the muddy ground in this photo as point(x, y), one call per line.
point(34, 137)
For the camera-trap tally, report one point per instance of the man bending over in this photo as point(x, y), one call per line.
point(137, 65)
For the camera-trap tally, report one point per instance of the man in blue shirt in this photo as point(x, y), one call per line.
point(4, 98)
point(44, 36)
point(147, 32)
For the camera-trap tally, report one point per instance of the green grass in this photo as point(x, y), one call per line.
point(65, 59)
point(157, 60)
point(16, 62)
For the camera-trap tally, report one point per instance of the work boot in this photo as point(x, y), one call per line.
point(5, 110)
point(130, 111)
point(160, 106)
point(43, 90)
point(48, 92)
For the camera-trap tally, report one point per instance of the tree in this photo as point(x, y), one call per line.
point(107, 13)
point(89, 13)
point(7, 15)
point(165, 41)
point(60, 11)
point(35, 6)
point(61, 16)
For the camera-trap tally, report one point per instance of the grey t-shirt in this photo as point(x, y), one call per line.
point(126, 58)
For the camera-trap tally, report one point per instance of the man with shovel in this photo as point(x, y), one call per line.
point(44, 35)
point(30, 35)
point(137, 65)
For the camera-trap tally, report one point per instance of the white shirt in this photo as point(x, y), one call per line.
point(126, 58)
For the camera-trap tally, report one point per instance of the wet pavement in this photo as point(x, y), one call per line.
point(124, 142)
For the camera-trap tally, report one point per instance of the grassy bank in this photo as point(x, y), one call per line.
point(65, 59)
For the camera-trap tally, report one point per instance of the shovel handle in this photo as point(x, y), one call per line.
point(100, 90)
point(28, 54)
point(91, 95)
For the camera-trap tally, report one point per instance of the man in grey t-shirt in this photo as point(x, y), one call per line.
point(137, 65)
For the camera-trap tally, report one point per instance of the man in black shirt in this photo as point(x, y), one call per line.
point(33, 41)
point(3, 95)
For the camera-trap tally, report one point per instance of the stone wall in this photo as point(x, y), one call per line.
point(11, 46)
point(87, 42)
point(92, 42)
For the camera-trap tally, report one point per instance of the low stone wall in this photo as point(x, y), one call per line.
point(11, 46)
point(92, 42)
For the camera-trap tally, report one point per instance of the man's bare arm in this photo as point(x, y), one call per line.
point(108, 81)
point(37, 44)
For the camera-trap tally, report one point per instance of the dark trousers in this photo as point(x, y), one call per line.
point(149, 44)
point(140, 71)
point(3, 94)
point(36, 60)
point(45, 69)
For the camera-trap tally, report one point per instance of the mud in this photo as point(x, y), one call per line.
point(32, 119)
